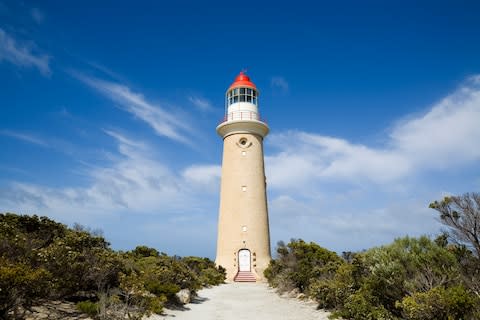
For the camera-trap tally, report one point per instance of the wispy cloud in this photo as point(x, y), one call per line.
point(133, 182)
point(200, 103)
point(26, 137)
point(105, 70)
point(51, 143)
point(279, 83)
point(203, 176)
point(22, 54)
point(163, 122)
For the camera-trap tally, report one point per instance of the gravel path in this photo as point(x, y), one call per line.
point(237, 301)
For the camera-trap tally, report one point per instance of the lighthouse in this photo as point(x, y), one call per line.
point(243, 244)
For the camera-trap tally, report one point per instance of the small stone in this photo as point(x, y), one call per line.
point(301, 296)
point(294, 293)
point(184, 296)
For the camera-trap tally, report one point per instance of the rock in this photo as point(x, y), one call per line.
point(184, 296)
point(301, 296)
point(294, 293)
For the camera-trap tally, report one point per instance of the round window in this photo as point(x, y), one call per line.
point(243, 143)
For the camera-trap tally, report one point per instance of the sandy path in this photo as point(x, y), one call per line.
point(238, 301)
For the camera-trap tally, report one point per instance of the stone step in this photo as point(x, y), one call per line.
point(244, 276)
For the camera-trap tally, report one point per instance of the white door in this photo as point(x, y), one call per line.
point(244, 260)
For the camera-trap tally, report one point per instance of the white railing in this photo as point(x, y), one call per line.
point(242, 115)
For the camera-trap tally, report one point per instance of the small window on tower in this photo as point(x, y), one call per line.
point(235, 99)
point(242, 97)
point(244, 188)
point(244, 228)
point(254, 93)
point(249, 91)
point(249, 99)
point(254, 100)
point(242, 90)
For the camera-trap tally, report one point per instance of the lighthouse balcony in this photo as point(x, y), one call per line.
point(242, 115)
point(242, 122)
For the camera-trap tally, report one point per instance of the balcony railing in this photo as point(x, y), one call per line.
point(243, 115)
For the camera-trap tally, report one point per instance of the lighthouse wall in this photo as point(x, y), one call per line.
point(243, 214)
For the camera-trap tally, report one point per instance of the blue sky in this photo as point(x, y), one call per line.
point(108, 115)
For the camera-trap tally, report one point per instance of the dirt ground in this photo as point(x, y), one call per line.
point(237, 301)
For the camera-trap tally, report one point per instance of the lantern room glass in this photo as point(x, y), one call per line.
point(242, 95)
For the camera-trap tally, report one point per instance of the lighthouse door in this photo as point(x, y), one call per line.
point(244, 260)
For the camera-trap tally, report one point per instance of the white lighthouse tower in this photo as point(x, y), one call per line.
point(243, 245)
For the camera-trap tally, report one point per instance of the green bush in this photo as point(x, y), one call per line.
point(20, 286)
point(330, 293)
point(81, 262)
point(408, 265)
point(208, 274)
point(167, 289)
point(411, 278)
point(43, 259)
point(88, 307)
point(144, 251)
point(299, 264)
point(363, 305)
point(137, 300)
point(438, 304)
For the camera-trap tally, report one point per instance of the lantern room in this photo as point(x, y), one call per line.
point(242, 100)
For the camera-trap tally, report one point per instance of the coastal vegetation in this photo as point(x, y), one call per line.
point(411, 278)
point(41, 260)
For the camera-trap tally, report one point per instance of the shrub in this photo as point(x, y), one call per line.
point(166, 289)
point(20, 285)
point(407, 265)
point(299, 264)
point(405, 279)
point(88, 307)
point(138, 301)
point(144, 251)
point(208, 274)
point(363, 305)
point(80, 262)
point(438, 304)
point(332, 292)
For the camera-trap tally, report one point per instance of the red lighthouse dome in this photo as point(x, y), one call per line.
point(242, 80)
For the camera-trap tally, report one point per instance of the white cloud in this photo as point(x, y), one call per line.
point(134, 182)
point(357, 222)
point(445, 136)
point(22, 54)
point(203, 176)
point(163, 122)
point(279, 82)
point(200, 103)
point(354, 196)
